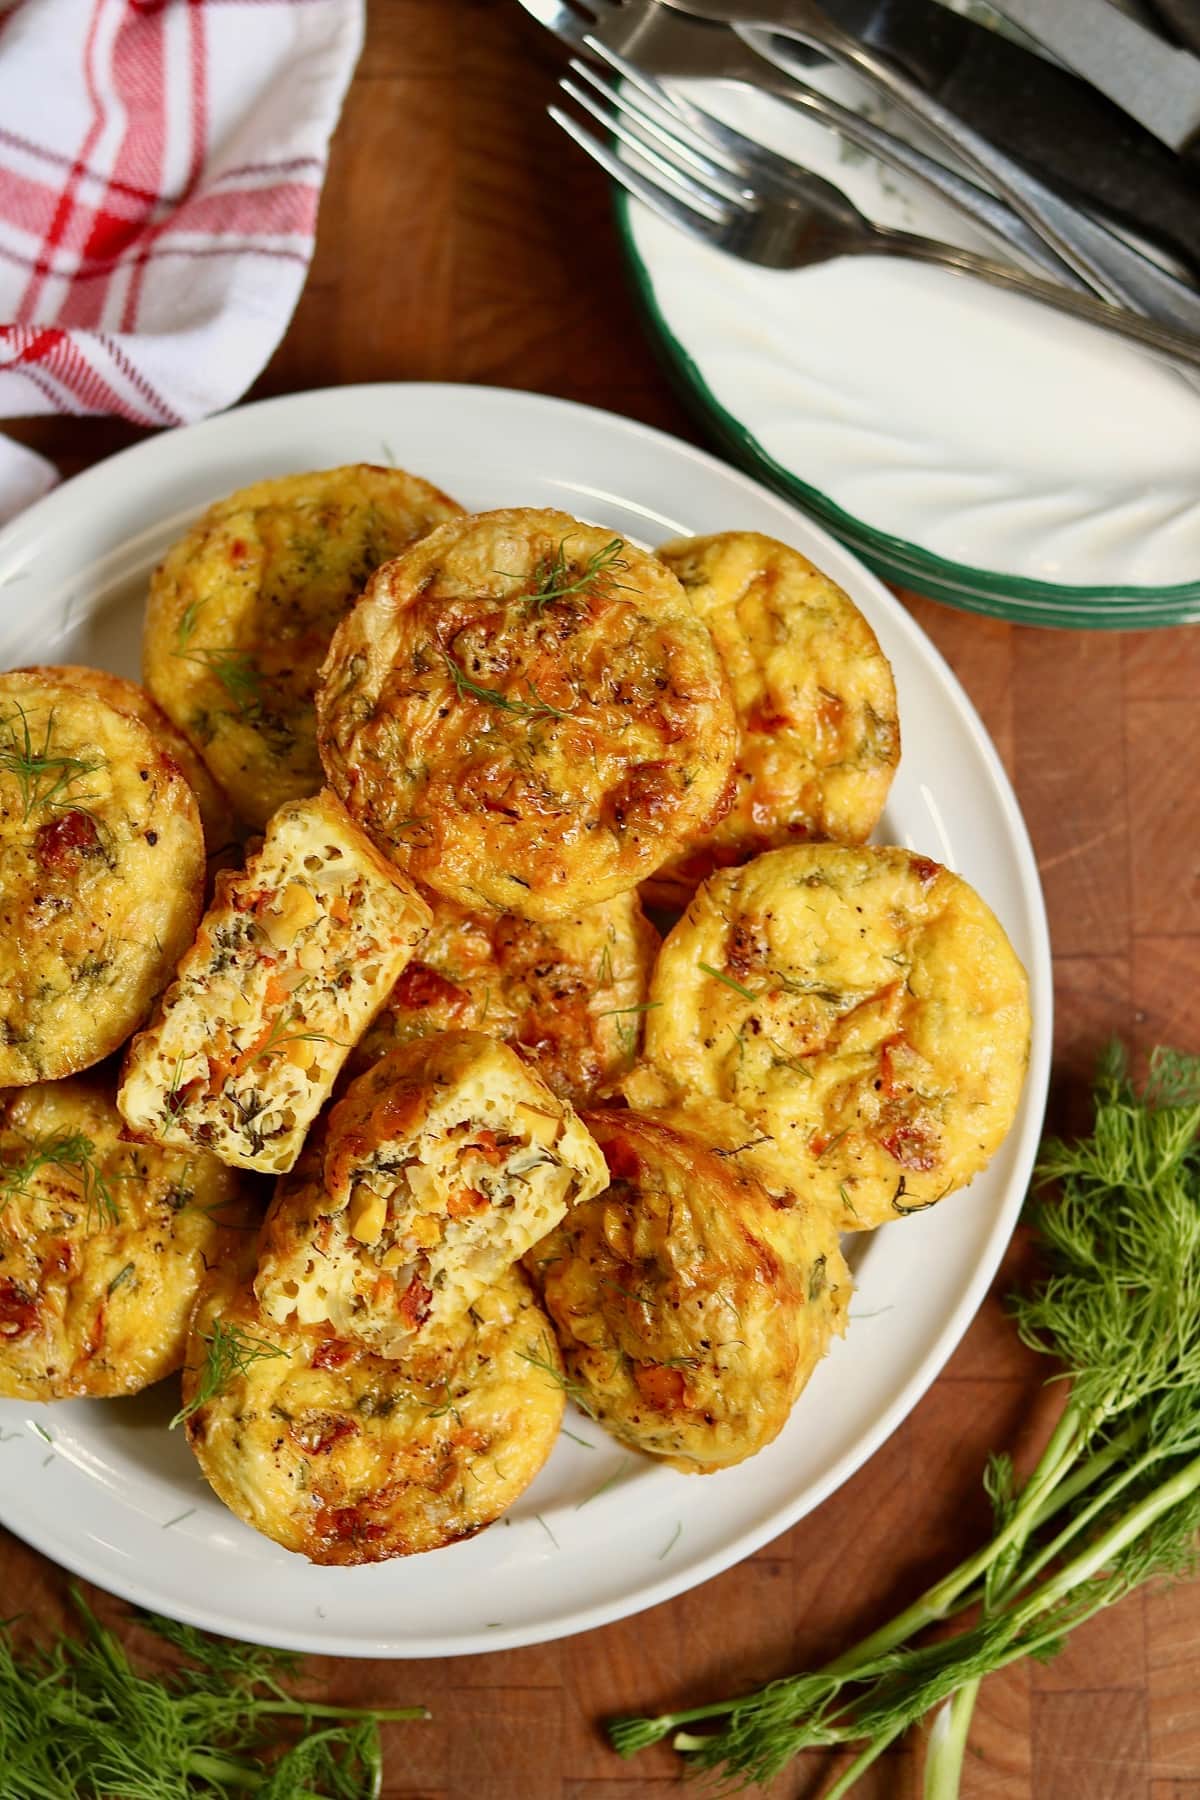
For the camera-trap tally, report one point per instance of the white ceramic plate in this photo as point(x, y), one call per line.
point(115, 1497)
point(966, 441)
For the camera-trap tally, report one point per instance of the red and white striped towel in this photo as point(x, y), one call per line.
point(160, 167)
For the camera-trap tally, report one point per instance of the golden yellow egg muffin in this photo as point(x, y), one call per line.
point(216, 813)
point(103, 1244)
point(101, 876)
point(242, 608)
point(861, 1007)
point(525, 714)
point(691, 1304)
point(818, 735)
point(442, 1165)
point(569, 995)
point(347, 1458)
point(293, 959)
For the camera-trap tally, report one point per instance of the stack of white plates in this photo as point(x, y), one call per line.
point(966, 442)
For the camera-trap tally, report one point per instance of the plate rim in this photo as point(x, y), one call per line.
point(42, 1536)
point(892, 557)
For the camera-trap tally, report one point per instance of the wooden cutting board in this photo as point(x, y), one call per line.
point(461, 241)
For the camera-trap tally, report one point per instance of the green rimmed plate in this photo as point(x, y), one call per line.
point(966, 443)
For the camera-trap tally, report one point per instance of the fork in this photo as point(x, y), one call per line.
point(677, 175)
point(638, 38)
point(1110, 266)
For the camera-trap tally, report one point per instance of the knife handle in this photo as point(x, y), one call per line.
point(1183, 17)
point(1115, 270)
point(1042, 114)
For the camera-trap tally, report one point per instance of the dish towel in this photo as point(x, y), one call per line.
point(161, 163)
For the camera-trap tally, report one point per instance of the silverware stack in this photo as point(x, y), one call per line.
point(1086, 187)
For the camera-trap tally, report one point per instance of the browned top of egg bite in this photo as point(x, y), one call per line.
point(525, 714)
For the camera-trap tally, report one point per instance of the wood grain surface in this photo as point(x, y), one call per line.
point(462, 240)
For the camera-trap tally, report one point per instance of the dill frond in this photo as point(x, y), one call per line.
point(525, 709)
point(727, 980)
point(231, 1352)
point(79, 1721)
point(553, 578)
point(189, 618)
point(1114, 1500)
point(43, 775)
point(546, 1364)
point(280, 1037)
point(75, 1154)
point(238, 674)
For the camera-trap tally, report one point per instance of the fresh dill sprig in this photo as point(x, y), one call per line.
point(445, 1407)
point(173, 1098)
point(185, 630)
point(720, 975)
point(79, 1721)
point(75, 1154)
point(545, 1362)
point(238, 674)
point(279, 1037)
point(627, 1026)
point(537, 708)
point(43, 775)
point(1114, 1500)
point(552, 578)
point(671, 1541)
point(231, 1352)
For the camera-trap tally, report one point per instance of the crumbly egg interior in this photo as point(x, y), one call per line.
point(436, 1216)
point(289, 967)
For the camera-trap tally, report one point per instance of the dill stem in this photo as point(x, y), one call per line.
point(934, 1605)
point(862, 1763)
point(210, 1765)
point(1118, 1537)
point(1081, 1520)
point(311, 1709)
point(948, 1743)
point(1087, 1472)
point(939, 1601)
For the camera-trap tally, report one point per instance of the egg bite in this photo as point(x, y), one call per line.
point(103, 1244)
point(525, 714)
point(818, 733)
point(216, 813)
point(293, 959)
point(863, 1008)
point(691, 1303)
point(442, 1165)
point(101, 876)
point(242, 608)
point(570, 995)
point(347, 1458)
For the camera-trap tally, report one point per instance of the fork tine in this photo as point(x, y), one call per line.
point(686, 121)
point(666, 130)
point(701, 198)
point(684, 217)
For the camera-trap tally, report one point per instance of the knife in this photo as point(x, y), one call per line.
point(1151, 80)
point(1037, 111)
point(1183, 17)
